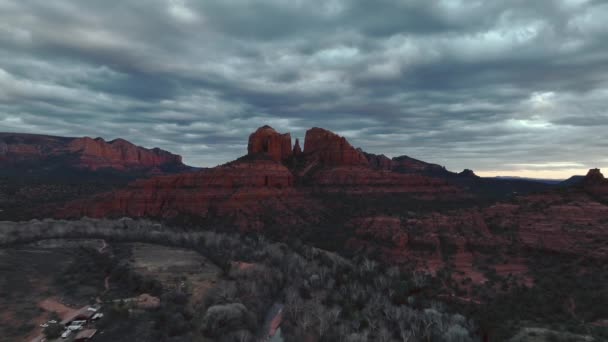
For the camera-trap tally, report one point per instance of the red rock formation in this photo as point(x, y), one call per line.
point(377, 203)
point(594, 176)
point(240, 192)
point(268, 141)
point(380, 162)
point(407, 164)
point(595, 183)
point(297, 150)
point(118, 154)
point(84, 152)
point(567, 222)
point(331, 149)
point(467, 173)
point(363, 180)
point(381, 229)
point(249, 184)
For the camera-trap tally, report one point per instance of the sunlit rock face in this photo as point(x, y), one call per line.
point(268, 141)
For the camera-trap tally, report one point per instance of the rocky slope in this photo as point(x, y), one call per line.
point(240, 194)
point(471, 240)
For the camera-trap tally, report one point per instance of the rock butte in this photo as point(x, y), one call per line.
point(595, 183)
point(268, 141)
point(332, 149)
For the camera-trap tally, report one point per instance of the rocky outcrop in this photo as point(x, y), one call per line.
point(595, 183)
point(379, 161)
point(594, 176)
point(297, 150)
point(468, 173)
point(84, 153)
point(268, 141)
point(331, 149)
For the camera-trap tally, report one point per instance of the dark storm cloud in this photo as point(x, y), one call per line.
point(489, 85)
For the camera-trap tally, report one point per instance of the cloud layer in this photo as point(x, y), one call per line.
point(501, 87)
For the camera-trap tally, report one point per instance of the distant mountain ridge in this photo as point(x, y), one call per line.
point(531, 179)
point(83, 153)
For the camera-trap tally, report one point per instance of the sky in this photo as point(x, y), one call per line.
point(501, 87)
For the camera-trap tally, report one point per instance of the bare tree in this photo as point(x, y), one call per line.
point(384, 334)
point(404, 332)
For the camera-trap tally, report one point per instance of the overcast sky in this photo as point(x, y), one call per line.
point(514, 87)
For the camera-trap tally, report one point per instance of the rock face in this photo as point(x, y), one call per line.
point(84, 153)
point(119, 154)
point(331, 149)
point(268, 141)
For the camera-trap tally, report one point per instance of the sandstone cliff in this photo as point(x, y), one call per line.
point(268, 141)
point(84, 153)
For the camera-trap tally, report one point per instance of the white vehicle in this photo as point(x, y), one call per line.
point(97, 316)
point(53, 321)
point(92, 309)
point(78, 322)
point(74, 327)
point(66, 333)
point(44, 325)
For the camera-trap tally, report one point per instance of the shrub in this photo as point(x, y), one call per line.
point(53, 331)
point(456, 333)
point(221, 319)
